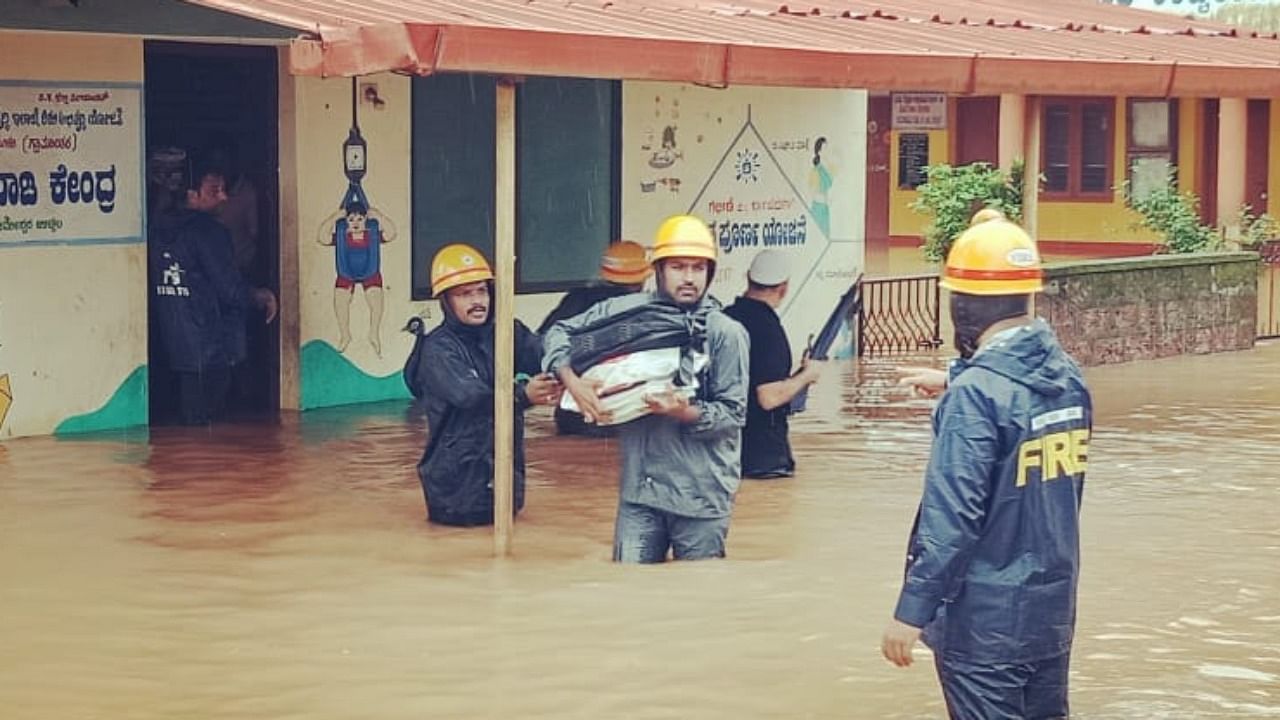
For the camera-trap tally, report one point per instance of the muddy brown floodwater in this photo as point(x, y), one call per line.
point(285, 571)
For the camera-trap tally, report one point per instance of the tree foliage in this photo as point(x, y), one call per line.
point(1257, 17)
point(1174, 215)
point(952, 194)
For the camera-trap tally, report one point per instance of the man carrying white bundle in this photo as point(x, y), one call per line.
point(680, 462)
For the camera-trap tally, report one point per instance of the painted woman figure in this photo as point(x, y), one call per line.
point(356, 231)
point(820, 180)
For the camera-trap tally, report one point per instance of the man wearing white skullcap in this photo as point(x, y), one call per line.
point(766, 451)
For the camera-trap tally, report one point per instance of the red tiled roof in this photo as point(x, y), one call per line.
point(964, 46)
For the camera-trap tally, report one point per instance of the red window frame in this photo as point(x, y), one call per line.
point(1074, 148)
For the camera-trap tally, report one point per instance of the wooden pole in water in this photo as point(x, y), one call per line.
point(504, 257)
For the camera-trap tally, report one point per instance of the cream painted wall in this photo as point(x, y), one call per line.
point(322, 113)
point(902, 219)
point(743, 157)
point(73, 317)
point(709, 122)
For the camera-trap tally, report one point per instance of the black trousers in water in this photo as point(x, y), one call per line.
point(202, 396)
point(1005, 691)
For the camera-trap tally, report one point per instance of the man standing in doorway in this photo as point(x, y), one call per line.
point(994, 557)
point(457, 377)
point(198, 296)
point(680, 463)
point(766, 450)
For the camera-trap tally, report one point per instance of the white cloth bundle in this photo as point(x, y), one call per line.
point(627, 379)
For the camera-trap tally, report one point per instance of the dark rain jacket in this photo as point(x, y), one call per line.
point(691, 470)
point(994, 556)
point(578, 300)
point(198, 298)
point(456, 376)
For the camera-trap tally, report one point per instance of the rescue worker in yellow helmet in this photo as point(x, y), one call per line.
point(986, 214)
point(994, 557)
point(680, 463)
point(457, 379)
point(623, 269)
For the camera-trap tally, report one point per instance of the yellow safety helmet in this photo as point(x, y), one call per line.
point(995, 257)
point(456, 265)
point(684, 236)
point(624, 263)
point(984, 215)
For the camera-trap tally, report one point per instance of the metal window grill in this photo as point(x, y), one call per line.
point(899, 315)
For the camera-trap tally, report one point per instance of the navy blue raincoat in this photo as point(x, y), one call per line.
point(994, 556)
point(456, 377)
point(199, 300)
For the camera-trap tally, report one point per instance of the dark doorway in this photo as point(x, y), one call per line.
point(1257, 156)
point(879, 135)
point(220, 101)
point(1209, 162)
point(977, 133)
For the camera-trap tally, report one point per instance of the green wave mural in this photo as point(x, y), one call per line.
point(126, 408)
point(329, 378)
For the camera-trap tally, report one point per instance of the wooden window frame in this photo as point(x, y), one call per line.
point(1171, 149)
point(1075, 159)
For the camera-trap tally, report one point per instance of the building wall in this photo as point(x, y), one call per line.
point(1105, 222)
point(72, 298)
point(743, 161)
point(903, 221)
point(368, 366)
point(1111, 311)
point(765, 166)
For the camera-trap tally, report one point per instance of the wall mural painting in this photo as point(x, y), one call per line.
point(356, 230)
point(765, 168)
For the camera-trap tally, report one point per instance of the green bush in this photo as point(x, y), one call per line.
point(1174, 215)
point(952, 194)
point(1257, 229)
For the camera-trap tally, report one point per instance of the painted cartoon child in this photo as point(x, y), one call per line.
point(356, 233)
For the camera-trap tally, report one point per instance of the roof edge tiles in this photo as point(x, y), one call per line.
point(960, 46)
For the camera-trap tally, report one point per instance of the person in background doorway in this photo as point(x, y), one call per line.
point(766, 449)
point(681, 462)
point(198, 298)
point(457, 381)
point(240, 211)
point(623, 270)
point(994, 556)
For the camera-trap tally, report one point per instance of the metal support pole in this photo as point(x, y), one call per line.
point(504, 257)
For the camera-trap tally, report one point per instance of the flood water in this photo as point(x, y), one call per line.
point(274, 572)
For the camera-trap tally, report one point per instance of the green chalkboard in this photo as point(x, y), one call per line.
point(567, 175)
point(567, 179)
point(453, 168)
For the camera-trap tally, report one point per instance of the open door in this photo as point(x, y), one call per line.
point(220, 102)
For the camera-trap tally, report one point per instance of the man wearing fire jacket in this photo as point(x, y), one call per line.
point(994, 556)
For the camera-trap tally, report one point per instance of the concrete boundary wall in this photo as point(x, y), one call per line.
point(1113, 311)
